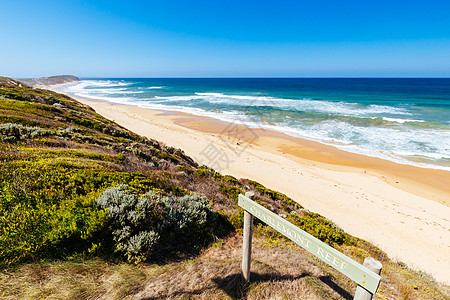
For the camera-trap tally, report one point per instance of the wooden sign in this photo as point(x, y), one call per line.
point(353, 270)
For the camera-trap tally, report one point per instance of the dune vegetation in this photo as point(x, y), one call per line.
point(90, 210)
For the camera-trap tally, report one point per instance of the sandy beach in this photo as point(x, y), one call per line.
point(402, 209)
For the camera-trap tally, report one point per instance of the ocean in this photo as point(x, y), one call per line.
point(406, 120)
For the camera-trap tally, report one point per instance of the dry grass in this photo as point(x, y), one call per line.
point(215, 274)
point(59, 280)
point(280, 270)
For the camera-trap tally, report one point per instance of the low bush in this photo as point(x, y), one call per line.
point(143, 224)
point(45, 230)
point(274, 195)
point(231, 191)
point(321, 228)
point(188, 220)
point(13, 132)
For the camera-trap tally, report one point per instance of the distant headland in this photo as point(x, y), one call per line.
point(44, 82)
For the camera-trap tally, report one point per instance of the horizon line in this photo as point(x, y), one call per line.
point(266, 77)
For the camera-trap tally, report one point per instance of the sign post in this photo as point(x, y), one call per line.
point(247, 244)
point(367, 279)
point(375, 266)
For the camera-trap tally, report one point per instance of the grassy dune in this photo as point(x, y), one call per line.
point(91, 210)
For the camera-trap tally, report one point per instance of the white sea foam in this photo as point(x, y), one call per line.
point(401, 121)
point(341, 108)
point(377, 145)
point(429, 155)
point(236, 97)
point(223, 116)
point(306, 105)
point(124, 83)
point(98, 89)
point(384, 142)
point(419, 142)
point(103, 83)
point(113, 91)
point(176, 98)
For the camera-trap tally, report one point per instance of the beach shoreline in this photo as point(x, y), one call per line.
point(402, 209)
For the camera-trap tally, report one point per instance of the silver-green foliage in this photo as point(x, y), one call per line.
point(141, 223)
point(132, 221)
point(14, 132)
point(186, 213)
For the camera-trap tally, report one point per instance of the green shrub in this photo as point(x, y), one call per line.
point(231, 179)
point(21, 232)
point(43, 230)
point(13, 132)
point(230, 191)
point(128, 213)
point(68, 132)
point(321, 228)
point(202, 171)
point(237, 219)
point(48, 210)
point(75, 226)
point(274, 195)
point(188, 219)
point(142, 224)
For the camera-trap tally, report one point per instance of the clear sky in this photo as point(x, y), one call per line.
point(225, 38)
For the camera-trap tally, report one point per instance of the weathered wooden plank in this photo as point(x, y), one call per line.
point(247, 245)
point(353, 270)
point(247, 241)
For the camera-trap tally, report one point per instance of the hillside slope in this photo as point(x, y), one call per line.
point(89, 209)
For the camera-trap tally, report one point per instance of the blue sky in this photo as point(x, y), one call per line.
point(225, 38)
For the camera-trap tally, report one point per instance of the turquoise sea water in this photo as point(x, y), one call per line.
point(404, 120)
